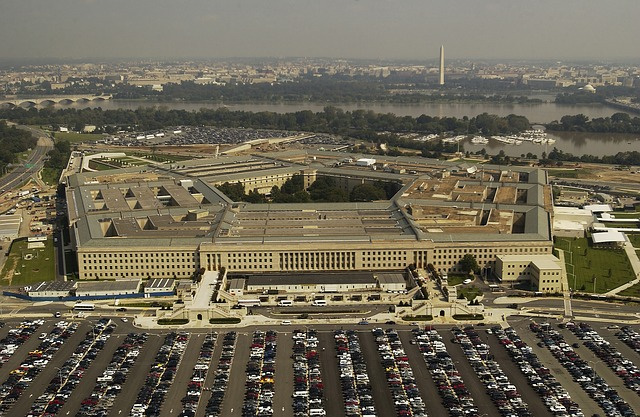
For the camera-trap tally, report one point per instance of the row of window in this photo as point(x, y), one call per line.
point(128, 266)
point(141, 274)
point(138, 255)
point(491, 250)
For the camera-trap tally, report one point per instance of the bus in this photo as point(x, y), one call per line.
point(84, 307)
point(249, 303)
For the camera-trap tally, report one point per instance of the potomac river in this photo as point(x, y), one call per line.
point(597, 144)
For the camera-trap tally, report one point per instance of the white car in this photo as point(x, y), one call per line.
point(467, 281)
point(124, 319)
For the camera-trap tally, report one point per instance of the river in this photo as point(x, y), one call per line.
point(570, 142)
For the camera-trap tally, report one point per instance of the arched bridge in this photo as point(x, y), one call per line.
point(44, 101)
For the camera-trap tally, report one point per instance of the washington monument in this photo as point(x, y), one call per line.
point(442, 65)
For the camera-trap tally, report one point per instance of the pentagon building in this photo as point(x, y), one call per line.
point(169, 221)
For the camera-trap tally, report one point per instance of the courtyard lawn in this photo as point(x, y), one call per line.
point(26, 266)
point(606, 268)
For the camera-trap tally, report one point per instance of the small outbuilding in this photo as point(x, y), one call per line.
point(608, 239)
point(160, 286)
point(50, 289)
point(107, 288)
point(392, 282)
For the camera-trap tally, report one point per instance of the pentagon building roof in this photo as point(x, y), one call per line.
point(438, 201)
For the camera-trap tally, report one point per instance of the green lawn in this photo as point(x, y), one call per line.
point(101, 166)
point(623, 215)
point(470, 293)
point(631, 292)
point(608, 268)
point(20, 271)
point(570, 173)
point(50, 175)
point(635, 240)
point(74, 137)
point(162, 157)
point(622, 225)
point(129, 161)
point(455, 279)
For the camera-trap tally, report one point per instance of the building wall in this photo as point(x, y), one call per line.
point(119, 262)
point(122, 262)
point(546, 280)
point(264, 183)
point(319, 288)
point(513, 270)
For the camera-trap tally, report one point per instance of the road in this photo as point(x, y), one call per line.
point(33, 164)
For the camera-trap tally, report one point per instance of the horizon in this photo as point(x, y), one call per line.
point(356, 29)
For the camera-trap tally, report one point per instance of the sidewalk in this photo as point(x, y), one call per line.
point(491, 317)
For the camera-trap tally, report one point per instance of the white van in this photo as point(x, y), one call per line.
point(285, 303)
point(319, 302)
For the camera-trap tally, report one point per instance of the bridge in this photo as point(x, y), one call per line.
point(47, 101)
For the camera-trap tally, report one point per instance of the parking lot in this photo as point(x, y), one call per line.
point(101, 368)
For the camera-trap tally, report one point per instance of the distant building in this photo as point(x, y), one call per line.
point(442, 65)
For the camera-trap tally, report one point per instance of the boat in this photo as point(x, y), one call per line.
point(479, 140)
point(507, 140)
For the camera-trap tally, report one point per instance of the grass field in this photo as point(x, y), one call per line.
point(19, 270)
point(470, 293)
point(570, 173)
point(100, 166)
point(631, 292)
point(129, 161)
point(622, 215)
point(634, 238)
point(455, 279)
point(74, 137)
point(602, 269)
point(50, 176)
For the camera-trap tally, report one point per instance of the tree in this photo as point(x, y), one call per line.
point(469, 263)
point(367, 192)
point(234, 191)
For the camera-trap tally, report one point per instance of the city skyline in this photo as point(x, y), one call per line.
point(357, 29)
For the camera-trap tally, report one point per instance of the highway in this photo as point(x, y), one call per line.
point(20, 175)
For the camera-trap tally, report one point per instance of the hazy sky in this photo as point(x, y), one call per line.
point(405, 29)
